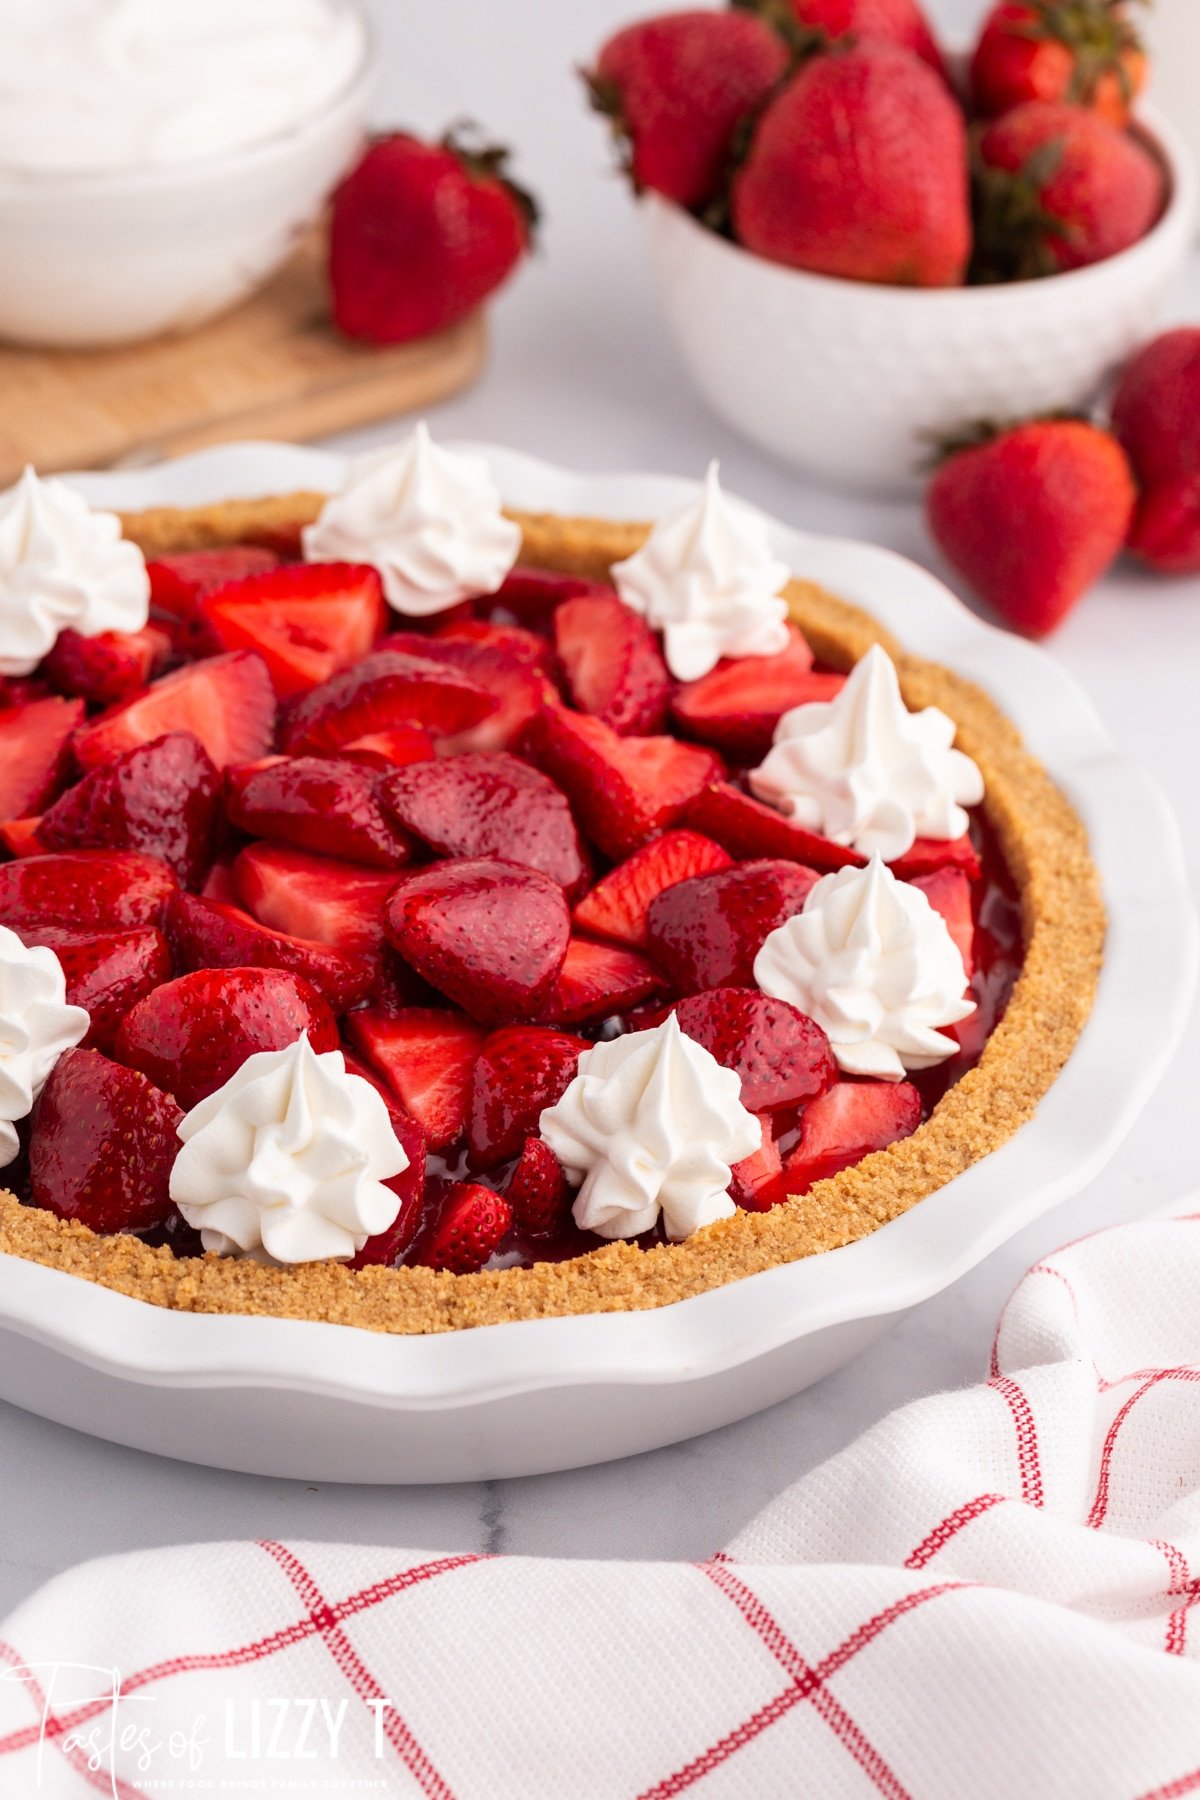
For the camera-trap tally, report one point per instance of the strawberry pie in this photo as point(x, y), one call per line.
point(416, 915)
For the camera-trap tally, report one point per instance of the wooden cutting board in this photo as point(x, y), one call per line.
point(272, 368)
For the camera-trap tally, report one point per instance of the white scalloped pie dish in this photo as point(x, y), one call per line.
point(332, 1403)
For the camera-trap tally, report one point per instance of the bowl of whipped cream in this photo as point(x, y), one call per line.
point(158, 161)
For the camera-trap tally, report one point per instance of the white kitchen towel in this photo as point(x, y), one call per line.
point(990, 1594)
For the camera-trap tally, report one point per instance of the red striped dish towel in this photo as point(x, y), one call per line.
point(993, 1593)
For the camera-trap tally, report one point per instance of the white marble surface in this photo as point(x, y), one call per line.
point(581, 372)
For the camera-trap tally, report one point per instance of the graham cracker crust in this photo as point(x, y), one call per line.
point(1045, 845)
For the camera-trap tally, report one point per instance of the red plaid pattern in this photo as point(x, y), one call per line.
point(991, 1593)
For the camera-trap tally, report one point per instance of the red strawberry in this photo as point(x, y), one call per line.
point(1032, 517)
point(928, 854)
point(706, 932)
point(489, 935)
point(537, 1190)
point(387, 1247)
point(398, 746)
point(85, 890)
point(227, 702)
point(533, 594)
point(103, 1145)
point(178, 584)
point(897, 22)
point(948, 891)
point(327, 804)
point(520, 1072)
point(677, 89)
point(471, 1224)
point(107, 668)
point(315, 897)
point(598, 980)
point(34, 753)
point(782, 1056)
point(306, 620)
point(506, 662)
point(1057, 187)
point(108, 973)
point(209, 934)
point(623, 789)
point(1085, 51)
point(20, 838)
point(738, 705)
point(192, 1034)
point(426, 1057)
point(617, 905)
point(746, 827)
point(1156, 416)
point(756, 1183)
point(848, 1122)
point(163, 797)
point(386, 689)
point(420, 234)
point(613, 664)
point(490, 805)
point(858, 169)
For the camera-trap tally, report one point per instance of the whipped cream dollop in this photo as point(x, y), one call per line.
point(103, 85)
point(36, 1027)
point(866, 772)
point(428, 519)
point(62, 564)
point(707, 580)
point(289, 1159)
point(650, 1125)
point(874, 964)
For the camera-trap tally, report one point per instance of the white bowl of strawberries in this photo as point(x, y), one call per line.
point(852, 268)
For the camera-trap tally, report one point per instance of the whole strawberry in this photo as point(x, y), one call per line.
point(420, 234)
point(898, 22)
point(1156, 415)
point(858, 168)
point(1085, 51)
point(678, 88)
point(1032, 516)
point(1058, 187)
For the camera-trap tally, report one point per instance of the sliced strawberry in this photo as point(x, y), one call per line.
point(598, 980)
point(534, 593)
point(737, 706)
point(386, 689)
point(847, 1123)
point(307, 896)
point(227, 702)
point(209, 934)
point(387, 1247)
point(747, 827)
point(520, 1072)
point(192, 1034)
point(327, 804)
point(491, 936)
point(103, 1145)
point(511, 641)
point(613, 664)
point(20, 837)
point(508, 663)
point(757, 1183)
point(706, 932)
point(471, 1224)
point(402, 745)
point(617, 905)
point(163, 797)
point(490, 804)
point(624, 790)
point(220, 884)
point(928, 854)
point(34, 754)
point(306, 620)
point(85, 890)
point(107, 668)
point(426, 1057)
point(179, 583)
point(948, 891)
point(108, 973)
point(537, 1190)
point(782, 1056)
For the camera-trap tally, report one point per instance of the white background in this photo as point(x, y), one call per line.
point(581, 372)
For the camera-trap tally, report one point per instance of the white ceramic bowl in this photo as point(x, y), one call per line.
point(331, 1403)
point(850, 381)
point(115, 256)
